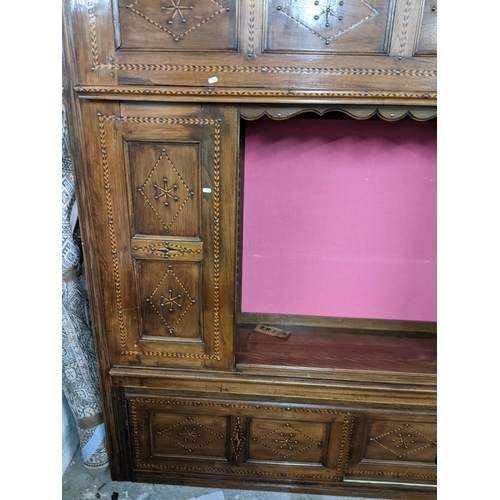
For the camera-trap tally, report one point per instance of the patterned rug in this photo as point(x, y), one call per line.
point(79, 368)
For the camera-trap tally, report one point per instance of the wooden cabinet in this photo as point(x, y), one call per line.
point(158, 95)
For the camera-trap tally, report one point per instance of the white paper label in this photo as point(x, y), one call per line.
point(214, 79)
point(206, 190)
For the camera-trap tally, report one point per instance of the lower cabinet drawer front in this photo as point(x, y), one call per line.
point(264, 440)
point(394, 448)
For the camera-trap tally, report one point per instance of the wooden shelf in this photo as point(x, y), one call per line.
point(334, 350)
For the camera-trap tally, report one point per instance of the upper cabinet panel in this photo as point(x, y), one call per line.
point(427, 43)
point(177, 25)
point(256, 49)
point(326, 26)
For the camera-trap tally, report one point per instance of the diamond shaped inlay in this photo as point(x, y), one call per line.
point(165, 191)
point(189, 434)
point(403, 441)
point(170, 299)
point(178, 17)
point(328, 19)
point(287, 441)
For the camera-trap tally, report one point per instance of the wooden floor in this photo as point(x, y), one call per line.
point(342, 351)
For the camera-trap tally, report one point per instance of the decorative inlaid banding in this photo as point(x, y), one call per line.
point(355, 472)
point(404, 28)
point(274, 70)
point(251, 93)
point(251, 29)
point(113, 242)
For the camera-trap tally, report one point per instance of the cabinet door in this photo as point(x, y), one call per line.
point(162, 184)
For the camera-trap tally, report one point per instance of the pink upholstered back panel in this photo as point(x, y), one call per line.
point(340, 219)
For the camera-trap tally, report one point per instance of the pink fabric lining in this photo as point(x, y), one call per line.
point(340, 219)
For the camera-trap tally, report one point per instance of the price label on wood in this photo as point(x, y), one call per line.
point(272, 331)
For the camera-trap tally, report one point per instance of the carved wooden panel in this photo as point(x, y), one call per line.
point(181, 435)
point(177, 25)
point(278, 441)
point(397, 447)
point(427, 41)
point(165, 182)
point(170, 296)
point(163, 266)
point(255, 51)
point(238, 438)
point(342, 26)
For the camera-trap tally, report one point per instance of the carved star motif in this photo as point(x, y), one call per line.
point(177, 9)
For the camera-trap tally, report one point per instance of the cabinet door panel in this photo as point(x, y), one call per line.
point(166, 178)
point(355, 26)
point(170, 297)
point(177, 25)
point(394, 447)
point(161, 212)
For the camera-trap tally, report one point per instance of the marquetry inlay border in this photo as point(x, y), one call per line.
point(241, 93)
point(108, 189)
point(404, 28)
point(344, 440)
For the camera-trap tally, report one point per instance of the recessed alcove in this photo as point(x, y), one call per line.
point(338, 244)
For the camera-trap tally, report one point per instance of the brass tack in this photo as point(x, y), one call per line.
point(433, 8)
point(250, 54)
point(426, 96)
point(147, 91)
point(216, 185)
point(113, 252)
point(327, 25)
point(148, 299)
point(398, 72)
point(103, 151)
point(340, 18)
point(163, 8)
point(176, 39)
point(392, 115)
point(227, 9)
point(153, 248)
point(183, 20)
point(106, 187)
point(316, 2)
point(341, 3)
point(135, 248)
point(111, 58)
point(139, 189)
point(170, 267)
point(199, 251)
point(400, 57)
point(316, 17)
point(193, 301)
point(278, 7)
point(327, 42)
point(190, 7)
